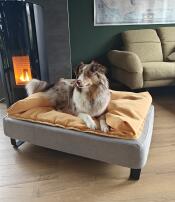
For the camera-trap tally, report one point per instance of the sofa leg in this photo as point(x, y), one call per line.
point(16, 143)
point(134, 174)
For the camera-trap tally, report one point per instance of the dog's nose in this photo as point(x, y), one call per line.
point(79, 82)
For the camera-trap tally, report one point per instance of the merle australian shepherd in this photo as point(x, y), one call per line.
point(87, 96)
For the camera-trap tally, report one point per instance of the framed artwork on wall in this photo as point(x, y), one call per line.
point(133, 12)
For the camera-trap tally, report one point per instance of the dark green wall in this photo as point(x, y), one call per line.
point(89, 42)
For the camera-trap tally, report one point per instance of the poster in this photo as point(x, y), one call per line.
point(133, 12)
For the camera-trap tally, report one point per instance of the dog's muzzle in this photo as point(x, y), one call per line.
point(79, 84)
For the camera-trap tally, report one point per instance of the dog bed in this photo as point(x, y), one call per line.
point(125, 115)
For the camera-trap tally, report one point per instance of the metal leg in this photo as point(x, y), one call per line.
point(134, 174)
point(16, 143)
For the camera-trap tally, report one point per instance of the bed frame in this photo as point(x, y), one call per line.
point(128, 153)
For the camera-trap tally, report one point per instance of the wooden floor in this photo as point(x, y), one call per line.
point(36, 174)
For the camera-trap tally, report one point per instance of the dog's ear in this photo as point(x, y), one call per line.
point(78, 68)
point(103, 69)
point(93, 62)
point(96, 67)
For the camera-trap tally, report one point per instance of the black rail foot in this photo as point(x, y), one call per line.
point(134, 174)
point(16, 143)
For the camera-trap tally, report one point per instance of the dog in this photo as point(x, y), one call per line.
point(87, 96)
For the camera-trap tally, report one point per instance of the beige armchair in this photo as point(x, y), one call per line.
point(143, 63)
point(127, 68)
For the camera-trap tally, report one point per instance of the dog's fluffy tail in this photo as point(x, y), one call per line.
point(35, 86)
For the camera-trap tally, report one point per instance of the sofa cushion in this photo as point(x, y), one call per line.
point(147, 52)
point(145, 43)
point(167, 37)
point(142, 35)
point(171, 57)
point(158, 71)
point(159, 83)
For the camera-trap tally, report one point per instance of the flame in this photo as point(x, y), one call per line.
point(24, 76)
point(22, 69)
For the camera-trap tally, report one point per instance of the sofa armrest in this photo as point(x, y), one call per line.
point(125, 60)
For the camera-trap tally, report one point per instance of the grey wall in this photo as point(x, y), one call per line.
point(57, 38)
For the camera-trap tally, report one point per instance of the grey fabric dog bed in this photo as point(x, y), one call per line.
point(129, 153)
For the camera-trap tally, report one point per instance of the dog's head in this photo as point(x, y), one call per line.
point(89, 74)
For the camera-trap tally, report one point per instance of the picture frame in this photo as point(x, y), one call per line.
point(133, 12)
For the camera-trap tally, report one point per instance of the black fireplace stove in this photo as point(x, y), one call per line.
point(22, 47)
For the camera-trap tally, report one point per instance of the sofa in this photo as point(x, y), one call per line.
point(147, 58)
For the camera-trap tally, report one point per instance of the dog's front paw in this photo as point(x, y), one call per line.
point(91, 124)
point(104, 127)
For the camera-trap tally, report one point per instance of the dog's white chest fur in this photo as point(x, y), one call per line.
point(84, 105)
point(80, 101)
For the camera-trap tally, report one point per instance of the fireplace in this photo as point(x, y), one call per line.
point(22, 47)
point(22, 69)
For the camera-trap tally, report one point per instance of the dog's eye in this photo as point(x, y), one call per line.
point(94, 73)
point(93, 69)
point(80, 71)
